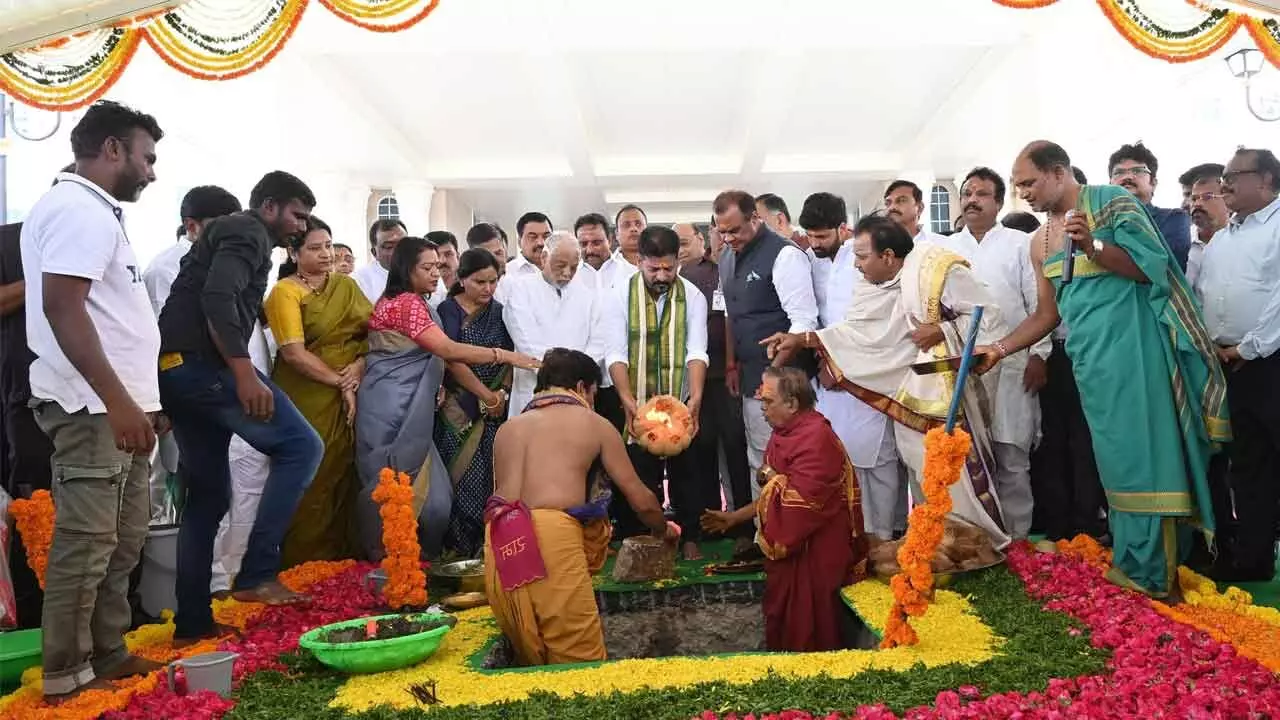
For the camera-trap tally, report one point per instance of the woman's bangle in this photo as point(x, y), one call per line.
point(495, 356)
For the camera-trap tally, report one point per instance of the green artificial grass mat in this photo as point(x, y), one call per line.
point(1037, 648)
point(688, 572)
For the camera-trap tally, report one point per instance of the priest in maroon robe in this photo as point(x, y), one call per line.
point(810, 515)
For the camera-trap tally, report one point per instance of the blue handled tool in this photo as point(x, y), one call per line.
point(966, 362)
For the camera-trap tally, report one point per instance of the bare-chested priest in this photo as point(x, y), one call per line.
point(547, 524)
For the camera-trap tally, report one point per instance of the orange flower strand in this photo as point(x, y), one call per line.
point(944, 457)
point(406, 583)
point(1253, 638)
point(34, 518)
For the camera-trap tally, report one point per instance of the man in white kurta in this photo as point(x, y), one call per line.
point(1000, 258)
point(866, 432)
point(925, 300)
point(557, 307)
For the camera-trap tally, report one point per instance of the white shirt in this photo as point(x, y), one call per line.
point(162, 271)
point(1239, 283)
point(372, 279)
point(615, 270)
point(77, 229)
point(820, 270)
point(1195, 256)
point(440, 295)
point(861, 427)
point(541, 317)
point(520, 267)
point(1002, 261)
point(617, 326)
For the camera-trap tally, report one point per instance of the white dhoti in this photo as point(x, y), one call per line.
point(758, 433)
point(868, 437)
point(249, 470)
point(1015, 429)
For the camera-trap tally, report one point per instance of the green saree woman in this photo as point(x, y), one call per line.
point(326, 325)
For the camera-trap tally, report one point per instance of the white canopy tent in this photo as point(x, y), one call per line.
point(489, 108)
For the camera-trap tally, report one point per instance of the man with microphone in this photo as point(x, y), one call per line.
point(1150, 383)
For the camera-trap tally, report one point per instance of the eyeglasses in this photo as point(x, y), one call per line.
point(1231, 177)
point(1135, 171)
point(1204, 197)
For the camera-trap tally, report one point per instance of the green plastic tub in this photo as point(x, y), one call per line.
point(374, 656)
point(19, 650)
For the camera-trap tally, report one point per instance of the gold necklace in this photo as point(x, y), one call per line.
point(313, 288)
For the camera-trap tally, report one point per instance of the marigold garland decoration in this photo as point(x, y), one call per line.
point(205, 39)
point(944, 457)
point(1175, 45)
point(1267, 34)
point(406, 583)
point(1025, 4)
point(208, 40)
point(381, 15)
point(34, 518)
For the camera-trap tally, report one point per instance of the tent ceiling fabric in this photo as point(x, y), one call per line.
point(225, 39)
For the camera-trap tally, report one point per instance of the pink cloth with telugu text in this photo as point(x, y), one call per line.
point(515, 546)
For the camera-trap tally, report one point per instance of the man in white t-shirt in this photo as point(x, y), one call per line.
point(384, 235)
point(96, 395)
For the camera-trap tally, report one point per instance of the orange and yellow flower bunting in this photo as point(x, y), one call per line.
point(1207, 35)
point(205, 39)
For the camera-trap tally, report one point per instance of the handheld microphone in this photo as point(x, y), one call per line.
point(1069, 256)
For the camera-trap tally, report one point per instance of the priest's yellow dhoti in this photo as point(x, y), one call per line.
point(553, 620)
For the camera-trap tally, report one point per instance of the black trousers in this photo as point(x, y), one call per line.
point(1253, 394)
point(689, 497)
point(1064, 476)
point(721, 427)
point(609, 405)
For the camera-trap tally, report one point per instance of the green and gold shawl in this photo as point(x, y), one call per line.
point(656, 345)
point(1199, 385)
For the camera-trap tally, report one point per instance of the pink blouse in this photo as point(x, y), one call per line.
point(406, 313)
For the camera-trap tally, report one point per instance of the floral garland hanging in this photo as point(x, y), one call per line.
point(34, 518)
point(944, 456)
point(70, 73)
point(381, 15)
point(1172, 45)
point(1213, 30)
point(406, 583)
point(210, 41)
point(1266, 33)
point(205, 39)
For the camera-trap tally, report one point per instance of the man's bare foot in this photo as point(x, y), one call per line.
point(95, 684)
point(691, 551)
point(132, 665)
point(218, 631)
point(270, 593)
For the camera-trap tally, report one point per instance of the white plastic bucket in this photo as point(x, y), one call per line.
point(159, 571)
point(207, 671)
